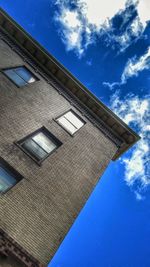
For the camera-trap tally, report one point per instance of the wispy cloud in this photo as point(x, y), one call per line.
point(111, 86)
point(135, 112)
point(72, 25)
point(82, 20)
point(132, 69)
point(136, 65)
point(139, 197)
point(89, 62)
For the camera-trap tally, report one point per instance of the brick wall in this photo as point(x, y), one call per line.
point(41, 208)
point(10, 262)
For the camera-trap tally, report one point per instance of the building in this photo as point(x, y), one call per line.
point(56, 140)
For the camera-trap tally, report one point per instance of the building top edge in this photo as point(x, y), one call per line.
point(55, 69)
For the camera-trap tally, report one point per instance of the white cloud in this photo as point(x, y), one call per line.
point(87, 18)
point(134, 66)
point(97, 12)
point(135, 112)
point(143, 11)
point(111, 86)
point(71, 34)
point(71, 18)
point(139, 197)
point(89, 62)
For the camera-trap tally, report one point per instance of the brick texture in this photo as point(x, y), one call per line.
point(10, 262)
point(38, 212)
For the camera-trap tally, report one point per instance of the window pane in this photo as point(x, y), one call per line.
point(34, 149)
point(44, 142)
point(15, 78)
point(67, 125)
point(6, 180)
point(74, 119)
point(25, 74)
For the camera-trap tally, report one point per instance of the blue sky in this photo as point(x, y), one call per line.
point(106, 45)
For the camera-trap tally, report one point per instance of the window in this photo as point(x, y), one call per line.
point(21, 76)
point(8, 176)
point(40, 144)
point(70, 121)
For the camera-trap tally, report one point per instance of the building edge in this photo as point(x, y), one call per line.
point(111, 125)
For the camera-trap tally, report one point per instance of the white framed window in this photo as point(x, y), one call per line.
point(9, 177)
point(39, 145)
point(21, 76)
point(70, 121)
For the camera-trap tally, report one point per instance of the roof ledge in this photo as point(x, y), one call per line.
point(53, 68)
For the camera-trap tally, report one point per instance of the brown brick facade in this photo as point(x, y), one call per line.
point(38, 212)
point(14, 255)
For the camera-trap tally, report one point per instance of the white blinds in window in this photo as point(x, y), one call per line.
point(70, 121)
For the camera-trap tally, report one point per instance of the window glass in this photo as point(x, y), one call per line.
point(43, 141)
point(67, 125)
point(20, 76)
point(15, 78)
point(25, 74)
point(70, 121)
point(6, 180)
point(74, 119)
point(34, 149)
point(40, 144)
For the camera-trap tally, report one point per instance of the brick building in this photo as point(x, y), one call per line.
point(56, 139)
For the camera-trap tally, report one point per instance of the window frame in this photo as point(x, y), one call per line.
point(78, 116)
point(20, 66)
point(11, 171)
point(47, 133)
